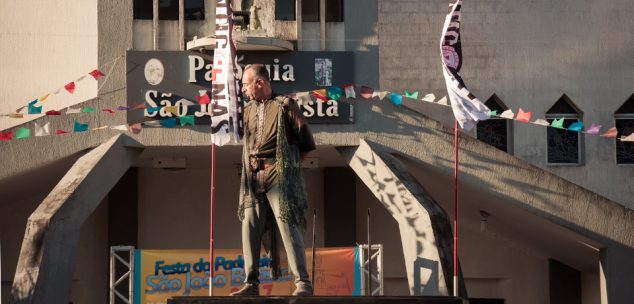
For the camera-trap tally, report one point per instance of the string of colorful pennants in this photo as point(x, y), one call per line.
point(324, 95)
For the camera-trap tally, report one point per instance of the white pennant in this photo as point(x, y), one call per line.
point(429, 97)
point(628, 138)
point(350, 92)
point(120, 127)
point(73, 111)
point(508, 114)
point(541, 122)
point(43, 130)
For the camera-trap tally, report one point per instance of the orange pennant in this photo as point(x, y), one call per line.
point(523, 116)
point(610, 133)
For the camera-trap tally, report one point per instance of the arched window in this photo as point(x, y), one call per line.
point(564, 147)
point(624, 121)
point(496, 131)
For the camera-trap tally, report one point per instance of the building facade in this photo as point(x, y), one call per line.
point(540, 221)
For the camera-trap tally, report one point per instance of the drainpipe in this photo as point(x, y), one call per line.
point(322, 23)
point(155, 25)
point(298, 21)
point(181, 25)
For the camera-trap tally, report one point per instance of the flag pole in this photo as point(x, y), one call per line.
point(211, 221)
point(455, 211)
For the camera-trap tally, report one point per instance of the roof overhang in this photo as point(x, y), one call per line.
point(244, 43)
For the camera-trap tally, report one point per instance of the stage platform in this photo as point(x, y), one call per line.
point(316, 300)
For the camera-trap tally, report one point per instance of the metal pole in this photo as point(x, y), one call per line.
point(455, 212)
point(369, 257)
point(131, 277)
point(155, 24)
point(322, 23)
point(112, 275)
point(211, 221)
point(298, 21)
point(314, 252)
point(181, 25)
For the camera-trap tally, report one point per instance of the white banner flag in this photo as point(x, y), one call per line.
point(226, 113)
point(467, 109)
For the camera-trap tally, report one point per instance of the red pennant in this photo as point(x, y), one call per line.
point(203, 99)
point(53, 113)
point(6, 135)
point(523, 116)
point(96, 73)
point(70, 87)
point(60, 132)
point(108, 110)
point(366, 92)
point(20, 109)
point(610, 133)
point(140, 105)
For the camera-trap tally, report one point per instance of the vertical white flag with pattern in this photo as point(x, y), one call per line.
point(42, 130)
point(226, 106)
point(467, 109)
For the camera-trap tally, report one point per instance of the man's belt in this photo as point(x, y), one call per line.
point(260, 163)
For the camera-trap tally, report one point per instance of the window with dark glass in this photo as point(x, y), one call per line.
point(563, 145)
point(168, 9)
point(284, 9)
point(334, 11)
point(495, 131)
point(624, 121)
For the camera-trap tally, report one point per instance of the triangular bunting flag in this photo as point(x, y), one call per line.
point(303, 97)
point(409, 94)
point(396, 98)
point(187, 120)
point(122, 108)
point(53, 113)
point(203, 98)
point(576, 126)
point(169, 122)
point(628, 138)
point(73, 111)
point(79, 127)
point(320, 95)
point(140, 105)
point(593, 129)
point(22, 133)
point(33, 109)
point(18, 110)
point(43, 97)
point(59, 131)
point(523, 116)
point(611, 132)
point(70, 87)
point(152, 109)
point(541, 122)
point(96, 74)
point(429, 98)
point(558, 123)
point(100, 128)
point(172, 109)
point(135, 128)
point(366, 92)
point(80, 78)
point(349, 90)
point(494, 113)
point(120, 128)
point(88, 110)
point(380, 94)
point(508, 114)
point(16, 115)
point(107, 110)
point(335, 93)
point(443, 101)
point(57, 91)
point(6, 135)
point(44, 130)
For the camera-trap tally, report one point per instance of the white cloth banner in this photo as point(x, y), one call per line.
point(226, 108)
point(467, 109)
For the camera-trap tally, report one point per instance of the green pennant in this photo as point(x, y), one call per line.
point(23, 133)
point(409, 94)
point(186, 120)
point(494, 113)
point(88, 110)
point(558, 123)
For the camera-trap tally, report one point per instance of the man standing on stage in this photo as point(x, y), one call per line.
point(272, 194)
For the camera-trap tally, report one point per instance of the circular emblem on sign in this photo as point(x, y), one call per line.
point(450, 56)
point(154, 71)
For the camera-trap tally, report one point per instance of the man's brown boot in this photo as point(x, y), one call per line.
point(303, 290)
point(247, 290)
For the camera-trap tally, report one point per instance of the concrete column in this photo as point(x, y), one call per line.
point(424, 226)
point(617, 274)
point(155, 25)
point(45, 268)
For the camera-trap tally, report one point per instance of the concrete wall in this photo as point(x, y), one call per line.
point(43, 46)
point(167, 221)
point(529, 53)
